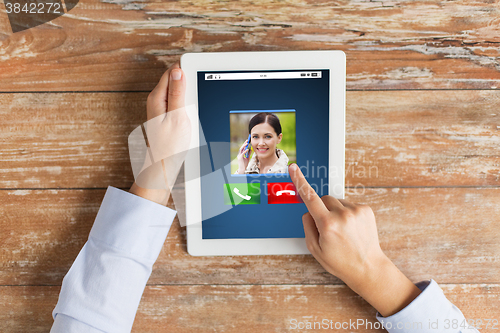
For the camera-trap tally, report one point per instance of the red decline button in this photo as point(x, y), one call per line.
point(282, 193)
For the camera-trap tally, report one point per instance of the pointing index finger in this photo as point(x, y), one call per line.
point(313, 202)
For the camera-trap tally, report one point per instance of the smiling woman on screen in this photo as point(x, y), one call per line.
point(265, 133)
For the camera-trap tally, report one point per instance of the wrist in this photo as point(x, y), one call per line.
point(369, 274)
point(384, 286)
point(156, 195)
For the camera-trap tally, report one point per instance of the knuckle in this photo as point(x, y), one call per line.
point(347, 215)
point(362, 210)
point(357, 210)
point(330, 228)
point(365, 209)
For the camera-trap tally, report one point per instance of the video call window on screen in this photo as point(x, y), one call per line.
point(256, 131)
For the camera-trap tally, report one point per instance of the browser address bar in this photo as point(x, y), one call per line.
point(263, 76)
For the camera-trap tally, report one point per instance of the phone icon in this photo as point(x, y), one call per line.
point(290, 192)
point(246, 197)
point(282, 193)
point(242, 194)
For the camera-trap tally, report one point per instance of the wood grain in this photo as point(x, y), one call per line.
point(426, 161)
point(424, 138)
point(393, 138)
point(420, 229)
point(121, 45)
point(68, 140)
point(237, 308)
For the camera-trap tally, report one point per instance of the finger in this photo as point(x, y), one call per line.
point(331, 203)
point(242, 148)
point(311, 233)
point(313, 203)
point(176, 89)
point(157, 99)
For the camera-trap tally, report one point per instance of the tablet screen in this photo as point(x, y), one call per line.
point(244, 111)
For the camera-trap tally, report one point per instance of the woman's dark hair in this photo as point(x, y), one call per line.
point(265, 117)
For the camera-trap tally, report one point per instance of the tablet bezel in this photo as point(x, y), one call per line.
point(191, 64)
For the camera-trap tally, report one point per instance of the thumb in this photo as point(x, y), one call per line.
point(176, 89)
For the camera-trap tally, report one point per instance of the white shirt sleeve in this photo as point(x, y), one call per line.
point(430, 312)
point(102, 290)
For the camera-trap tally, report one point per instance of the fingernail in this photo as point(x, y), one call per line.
point(175, 74)
point(293, 166)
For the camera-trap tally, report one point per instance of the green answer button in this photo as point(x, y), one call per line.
point(242, 194)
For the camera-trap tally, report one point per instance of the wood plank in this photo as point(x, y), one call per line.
point(272, 308)
point(43, 230)
point(448, 234)
point(423, 138)
point(125, 46)
point(68, 140)
point(393, 138)
point(242, 308)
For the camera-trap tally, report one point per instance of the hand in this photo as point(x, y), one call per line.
point(168, 133)
point(242, 160)
point(343, 237)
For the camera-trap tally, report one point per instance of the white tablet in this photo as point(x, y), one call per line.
point(257, 113)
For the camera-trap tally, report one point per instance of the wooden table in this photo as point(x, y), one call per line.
point(422, 149)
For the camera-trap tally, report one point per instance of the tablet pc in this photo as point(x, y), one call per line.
point(245, 207)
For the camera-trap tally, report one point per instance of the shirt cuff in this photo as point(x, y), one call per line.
point(65, 324)
point(103, 287)
point(430, 311)
point(131, 224)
